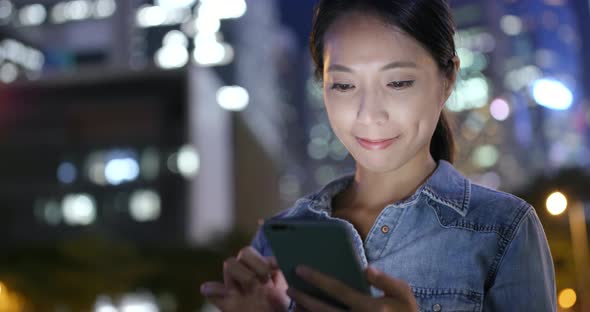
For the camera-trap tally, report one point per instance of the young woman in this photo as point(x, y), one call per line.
point(429, 238)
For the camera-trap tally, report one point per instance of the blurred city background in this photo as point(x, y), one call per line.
point(142, 142)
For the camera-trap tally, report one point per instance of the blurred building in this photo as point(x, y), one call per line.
point(520, 105)
point(154, 121)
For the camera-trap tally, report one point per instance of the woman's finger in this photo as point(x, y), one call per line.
point(331, 286)
point(228, 280)
point(272, 260)
point(235, 273)
point(213, 289)
point(261, 266)
point(392, 287)
point(309, 303)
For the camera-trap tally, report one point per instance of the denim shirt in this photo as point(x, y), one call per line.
point(460, 246)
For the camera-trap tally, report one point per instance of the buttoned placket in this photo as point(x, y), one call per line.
point(382, 231)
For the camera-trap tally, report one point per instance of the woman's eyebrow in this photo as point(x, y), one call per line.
point(392, 65)
point(399, 64)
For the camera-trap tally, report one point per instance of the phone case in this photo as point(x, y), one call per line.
point(325, 246)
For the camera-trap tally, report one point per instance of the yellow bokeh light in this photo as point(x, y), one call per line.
point(567, 298)
point(556, 203)
point(10, 301)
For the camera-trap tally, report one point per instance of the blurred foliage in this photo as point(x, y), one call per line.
point(73, 273)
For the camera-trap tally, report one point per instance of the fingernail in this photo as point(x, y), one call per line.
point(205, 289)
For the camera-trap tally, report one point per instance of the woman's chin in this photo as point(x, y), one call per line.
point(377, 164)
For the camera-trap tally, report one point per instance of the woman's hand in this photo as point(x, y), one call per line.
point(397, 296)
point(251, 282)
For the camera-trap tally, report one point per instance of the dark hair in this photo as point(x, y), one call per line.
point(428, 21)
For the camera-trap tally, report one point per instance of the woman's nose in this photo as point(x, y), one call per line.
point(371, 110)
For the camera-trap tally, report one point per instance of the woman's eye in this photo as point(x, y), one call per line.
point(342, 87)
point(401, 84)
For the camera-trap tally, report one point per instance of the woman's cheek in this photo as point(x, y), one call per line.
point(416, 105)
point(340, 107)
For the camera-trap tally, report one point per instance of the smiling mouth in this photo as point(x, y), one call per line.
point(375, 141)
point(376, 144)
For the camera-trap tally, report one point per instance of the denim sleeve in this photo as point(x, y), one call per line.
point(259, 242)
point(525, 278)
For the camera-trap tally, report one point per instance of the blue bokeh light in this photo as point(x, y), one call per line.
point(552, 94)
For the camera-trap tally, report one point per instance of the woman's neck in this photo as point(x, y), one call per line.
point(372, 190)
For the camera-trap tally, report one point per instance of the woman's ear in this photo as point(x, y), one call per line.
point(451, 78)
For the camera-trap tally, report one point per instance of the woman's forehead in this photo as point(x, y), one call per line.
point(359, 39)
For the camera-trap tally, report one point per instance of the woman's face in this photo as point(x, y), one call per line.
point(382, 90)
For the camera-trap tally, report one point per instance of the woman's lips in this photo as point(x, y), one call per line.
point(375, 144)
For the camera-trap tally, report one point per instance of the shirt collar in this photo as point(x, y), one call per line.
point(446, 186)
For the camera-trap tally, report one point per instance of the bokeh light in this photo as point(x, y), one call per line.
point(175, 4)
point(556, 203)
point(144, 205)
point(499, 109)
point(104, 8)
point(66, 172)
point(119, 170)
point(52, 212)
point(485, 156)
point(149, 16)
point(8, 72)
point(224, 9)
point(234, 98)
point(552, 94)
point(210, 52)
point(318, 148)
point(144, 302)
point(567, 298)
point(511, 25)
point(188, 161)
point(470, 93)
point(6, 9)
point(79, 209)
point(149, 163)
point(32, 15)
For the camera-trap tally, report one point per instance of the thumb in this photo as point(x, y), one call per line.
point(279, 280)
point(391, 287)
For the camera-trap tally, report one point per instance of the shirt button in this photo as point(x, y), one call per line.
point(385, 229)
point(437, 308)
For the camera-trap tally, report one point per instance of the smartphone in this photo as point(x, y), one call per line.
point(325, 246)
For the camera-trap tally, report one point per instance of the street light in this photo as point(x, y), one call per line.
point(556, 204)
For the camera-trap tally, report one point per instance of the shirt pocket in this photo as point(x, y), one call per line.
point(447, 300)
